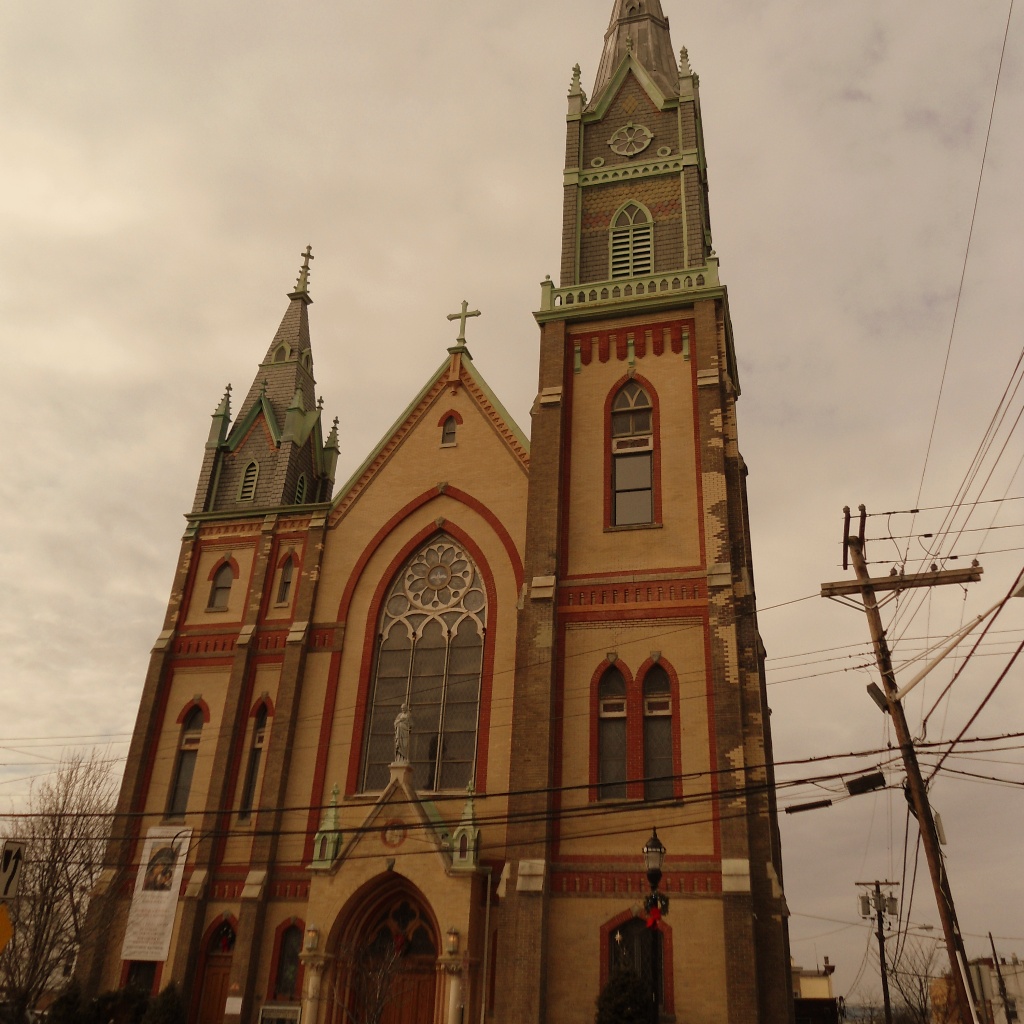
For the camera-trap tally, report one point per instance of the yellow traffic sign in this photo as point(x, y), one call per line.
point(6, 928)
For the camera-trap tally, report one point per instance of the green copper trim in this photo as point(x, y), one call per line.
point(604, 175)
point(499, 408)
point(259, 512)
point(644, 289)
point(653, 90)
point(241, 427)
point(470, 369)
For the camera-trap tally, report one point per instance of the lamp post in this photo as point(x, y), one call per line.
point(656, 905)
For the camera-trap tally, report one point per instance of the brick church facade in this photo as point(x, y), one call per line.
point(415, 727)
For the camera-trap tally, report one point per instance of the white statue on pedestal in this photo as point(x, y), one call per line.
point(403, 727)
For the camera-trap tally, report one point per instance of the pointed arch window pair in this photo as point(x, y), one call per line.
point(632, 456)
point(632, 241)
point(430, 656)
point(634, 731)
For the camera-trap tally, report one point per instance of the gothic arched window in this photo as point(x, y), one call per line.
point(284, 587)
point(632, 241)
point(185, 764)
point(252, 769)
point(286, 981)
point(448, 430)
point(611, 736)
point(430, 643)
point(220, 590)
point(658, 775)
point(632, 443)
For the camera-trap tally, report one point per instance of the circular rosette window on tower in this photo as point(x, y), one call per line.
point(630, 139)
point(441, 576)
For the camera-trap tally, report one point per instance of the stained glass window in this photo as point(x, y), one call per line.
point(429, 655)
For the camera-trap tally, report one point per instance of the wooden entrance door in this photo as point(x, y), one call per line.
point(413, 1001)
point(215, 988)
point(216, 975)
point(389, 966)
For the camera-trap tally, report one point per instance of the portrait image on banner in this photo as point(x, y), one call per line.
point(155, 900)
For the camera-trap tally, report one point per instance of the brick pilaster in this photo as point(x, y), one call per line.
point(522, 968)
point(253, 911)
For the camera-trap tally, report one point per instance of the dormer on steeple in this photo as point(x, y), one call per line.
point(274, 453)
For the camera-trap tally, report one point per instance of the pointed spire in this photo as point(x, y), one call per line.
point(638, 29)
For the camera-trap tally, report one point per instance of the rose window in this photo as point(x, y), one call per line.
point(630, 140)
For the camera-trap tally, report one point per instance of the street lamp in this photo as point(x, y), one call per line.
point(656, 905)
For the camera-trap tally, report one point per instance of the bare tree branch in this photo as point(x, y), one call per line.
point(65, 842)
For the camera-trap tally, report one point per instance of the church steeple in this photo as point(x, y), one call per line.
point(640, 29)
point(291, 465)
point(635, 178)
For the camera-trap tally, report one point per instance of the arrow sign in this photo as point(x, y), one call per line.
point(11, 856)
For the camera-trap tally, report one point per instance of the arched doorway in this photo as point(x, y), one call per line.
point(213, 993)
point(386, 969)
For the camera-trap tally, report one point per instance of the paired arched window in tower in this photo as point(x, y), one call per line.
point(611, 739)
point(632, 456)
point(300, 489)
point(632, 241)
point(635, 728)
point(185, 762)
point(252, 768)
point(430, 656)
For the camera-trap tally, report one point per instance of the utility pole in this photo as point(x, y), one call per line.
point(1009, 1006)
point(916, 788)
point(881, 906)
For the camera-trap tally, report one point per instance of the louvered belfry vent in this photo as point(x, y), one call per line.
point(248, 489)
point(632, 242)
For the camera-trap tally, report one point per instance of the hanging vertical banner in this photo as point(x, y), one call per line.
point(151, 918)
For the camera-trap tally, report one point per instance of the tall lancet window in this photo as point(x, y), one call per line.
point(430, 645)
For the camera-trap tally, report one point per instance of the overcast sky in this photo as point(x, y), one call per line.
point(164, 165)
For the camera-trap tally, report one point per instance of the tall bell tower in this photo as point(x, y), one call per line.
point(640, 699)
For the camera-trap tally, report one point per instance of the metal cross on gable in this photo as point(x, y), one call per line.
point(462, 317)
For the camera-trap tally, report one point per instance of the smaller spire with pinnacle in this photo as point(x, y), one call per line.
point(328, 839)
point(221, 421)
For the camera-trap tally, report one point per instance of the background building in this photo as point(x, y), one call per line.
point(566, 624)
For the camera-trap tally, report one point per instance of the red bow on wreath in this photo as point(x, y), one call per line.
point(653, 917)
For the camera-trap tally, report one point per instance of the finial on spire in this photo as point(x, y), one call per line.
point(320, 404)
point(629, 42)
point(302, 284)
point(263, 387)
point(684, 62)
